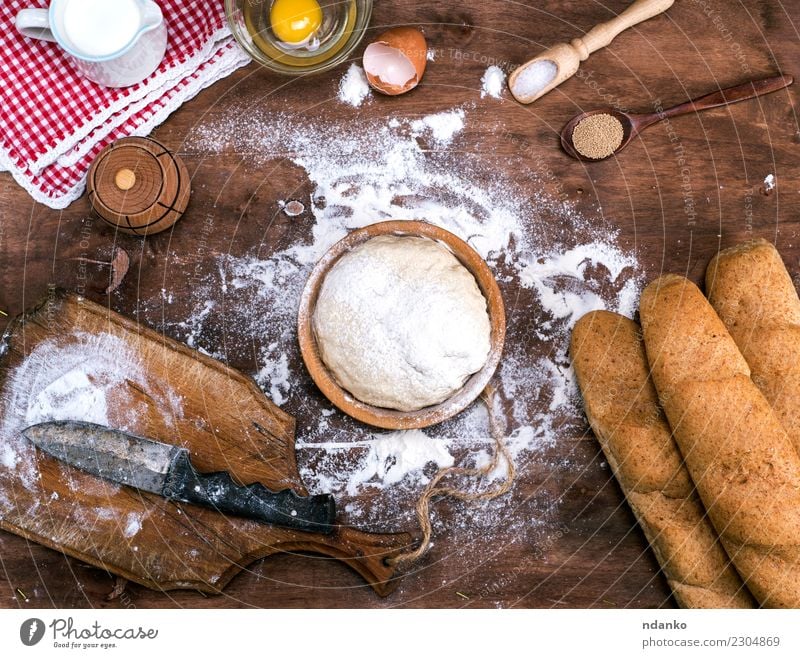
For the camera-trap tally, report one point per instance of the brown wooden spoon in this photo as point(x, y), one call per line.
point(633, 124)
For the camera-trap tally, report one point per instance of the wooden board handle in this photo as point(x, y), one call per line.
point(602, 35)
point(366, 553)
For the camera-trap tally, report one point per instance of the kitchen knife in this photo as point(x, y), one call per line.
point(167, 470)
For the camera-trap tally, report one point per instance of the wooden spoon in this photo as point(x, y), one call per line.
point(546, 71)
point(633, 124)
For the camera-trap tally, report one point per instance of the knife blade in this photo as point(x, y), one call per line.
point(167, 470)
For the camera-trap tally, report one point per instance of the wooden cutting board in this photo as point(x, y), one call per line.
point(224, 420)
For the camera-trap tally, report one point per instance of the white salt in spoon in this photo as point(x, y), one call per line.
point(545, 72)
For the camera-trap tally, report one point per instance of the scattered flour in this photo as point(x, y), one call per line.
point(442, 127)
point(354, 88)
point(396, 455)
point(361, 172)
point(72, 394)
point(569, 302)
point(492, 82)
point(275, 374)
point(769, 183)
point(390, 458)
point(133, 525)
point(557, 262)
point(79, 377)
point(208, 307)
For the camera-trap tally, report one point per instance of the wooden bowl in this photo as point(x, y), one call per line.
point(390, 418)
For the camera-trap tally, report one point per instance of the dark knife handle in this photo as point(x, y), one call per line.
point(218, 491)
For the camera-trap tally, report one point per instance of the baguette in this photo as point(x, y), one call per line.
point(754, 296)
point(743, 463)
point(622, 408)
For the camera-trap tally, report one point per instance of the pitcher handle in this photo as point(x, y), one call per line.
point(34, 23)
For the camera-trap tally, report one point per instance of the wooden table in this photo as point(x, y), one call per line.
point(675, 214)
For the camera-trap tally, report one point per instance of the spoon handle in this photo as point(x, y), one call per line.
point(602, 35)
point(728, 96)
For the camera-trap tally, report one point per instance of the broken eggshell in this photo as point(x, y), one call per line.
point(395, 62)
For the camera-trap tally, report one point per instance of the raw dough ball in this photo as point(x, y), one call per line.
point(401, 323)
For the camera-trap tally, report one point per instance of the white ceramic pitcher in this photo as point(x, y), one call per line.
point(115, 43)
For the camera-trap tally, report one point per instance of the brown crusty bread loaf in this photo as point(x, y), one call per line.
point(622, 407)
point(753, 294)
point(743, 464)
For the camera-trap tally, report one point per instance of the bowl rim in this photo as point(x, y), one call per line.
point(380, 416)
point(357, 36)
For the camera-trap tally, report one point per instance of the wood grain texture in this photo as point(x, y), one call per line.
point(675, 215)
point(138, 186)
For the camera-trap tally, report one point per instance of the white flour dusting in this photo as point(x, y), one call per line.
point(769, 182)
point(396, 455)
point(564, 302)
point(133, 525)
point(388, 460)
point(353, 87)
point(275, 374)
point(492, 82)
point(442, 127)
point(366, 171)
point(72, 394)
point(94, 378)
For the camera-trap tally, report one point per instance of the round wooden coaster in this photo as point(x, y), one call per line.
point(138, 186)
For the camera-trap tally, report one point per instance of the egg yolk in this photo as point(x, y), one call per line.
point(294, 21)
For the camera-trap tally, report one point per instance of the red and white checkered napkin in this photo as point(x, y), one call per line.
point(53, 122)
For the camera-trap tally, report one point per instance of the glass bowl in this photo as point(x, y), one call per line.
point(343, 26)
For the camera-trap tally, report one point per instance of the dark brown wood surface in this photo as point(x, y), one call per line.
point(676, 214)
